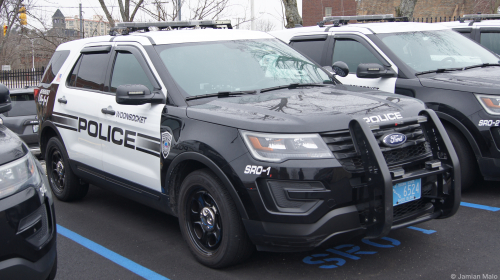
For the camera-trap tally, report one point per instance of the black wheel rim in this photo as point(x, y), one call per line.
point(56, 170)
point(203, 221)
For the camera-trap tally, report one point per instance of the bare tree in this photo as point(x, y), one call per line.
point(291, 13)
point(406, 8)
point(486, 6)
point(124, 11)
point(10, 16)
point(208, 9)
point(160, 11)
point(264, 25)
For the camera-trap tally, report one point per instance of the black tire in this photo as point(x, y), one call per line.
point(468, 164)
point(217, 238)
point(63, 182)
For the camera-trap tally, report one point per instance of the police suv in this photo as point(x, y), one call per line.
point(454, 76)
point(482, 28)
point(246, 141)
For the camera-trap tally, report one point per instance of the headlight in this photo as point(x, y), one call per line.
point(280, 147)
point(18, 175)
point(491, 103)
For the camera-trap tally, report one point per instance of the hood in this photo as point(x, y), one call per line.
point(478, 80)
point(305, 110)
point(11, 146)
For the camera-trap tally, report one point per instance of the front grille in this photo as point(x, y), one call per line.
point(410, 207)
point(342, 146)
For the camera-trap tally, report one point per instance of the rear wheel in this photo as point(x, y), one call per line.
point(210, 223)
point(466, 157)
point(64, 184)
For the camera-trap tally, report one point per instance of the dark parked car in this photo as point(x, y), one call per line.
point(22, 118)
point(27, 219)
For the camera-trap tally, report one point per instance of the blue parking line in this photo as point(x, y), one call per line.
point(426, 231)
point(110, 255)
point(479, 206)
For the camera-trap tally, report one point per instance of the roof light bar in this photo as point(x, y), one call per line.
point(481, 16)
point(342, 20)
point(135, 26)
point(359, 18)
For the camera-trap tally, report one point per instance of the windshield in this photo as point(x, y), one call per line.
point(212, 67)
point(431, 50)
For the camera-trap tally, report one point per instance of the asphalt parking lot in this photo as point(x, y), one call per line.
point(106, 236)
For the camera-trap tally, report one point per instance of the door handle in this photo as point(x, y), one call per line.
point(62, 100)
point(108, 111)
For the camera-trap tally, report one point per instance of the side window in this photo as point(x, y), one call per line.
point(128, 71)
point(54, 66)
point(313, 49)
point(491, 41)
point(465, 33)
point(89, 71)
point(353, 53)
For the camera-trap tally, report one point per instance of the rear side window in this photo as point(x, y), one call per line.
point(491, 41)
point(128, 71)
point(89, 71)
point(313, 49)
point(465, 33)
point(54, 66)
point(353, 53)
point(22, 105)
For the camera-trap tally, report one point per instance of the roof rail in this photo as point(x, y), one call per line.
point(342, 20)
point(478, 17)
point(128, 27)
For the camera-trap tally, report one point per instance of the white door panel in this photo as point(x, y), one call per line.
point(73, 119)
point(133, 152)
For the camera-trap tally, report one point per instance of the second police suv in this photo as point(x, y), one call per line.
point(453, 75)
point(246, 141)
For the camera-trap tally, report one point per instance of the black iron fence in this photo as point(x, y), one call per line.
point(21, 78)
point(434, 19)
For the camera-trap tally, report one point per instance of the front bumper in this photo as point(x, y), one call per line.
point(349, 205)
point(19, 268)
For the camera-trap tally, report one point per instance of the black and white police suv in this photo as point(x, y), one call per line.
point(246, 141)
point(453, 75)
point(482, 28)
point(27, 219)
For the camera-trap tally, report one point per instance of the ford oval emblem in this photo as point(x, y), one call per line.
point(394, 139)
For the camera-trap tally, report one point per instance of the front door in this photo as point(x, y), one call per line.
point(133, 149)
point(354, 50)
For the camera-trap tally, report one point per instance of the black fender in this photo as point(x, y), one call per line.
point(48, 124)
point(463, 130)
point(216, 170)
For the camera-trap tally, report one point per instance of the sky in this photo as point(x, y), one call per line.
point(266, 11)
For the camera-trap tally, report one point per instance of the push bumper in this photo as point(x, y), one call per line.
point(377, 216)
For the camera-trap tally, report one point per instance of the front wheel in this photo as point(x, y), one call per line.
point(210, 223)
point(63, 182)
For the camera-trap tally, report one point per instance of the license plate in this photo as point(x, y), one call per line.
point(35, 128)
point(406, 192)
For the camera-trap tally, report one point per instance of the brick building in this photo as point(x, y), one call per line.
point(313, 11)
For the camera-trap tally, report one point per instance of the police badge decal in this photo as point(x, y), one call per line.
point(166, 141)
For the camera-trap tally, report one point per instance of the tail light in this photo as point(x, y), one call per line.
point(36, 91)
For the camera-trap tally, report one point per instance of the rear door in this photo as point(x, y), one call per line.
point(76, 110)
point(132, 151)
point(354, 50)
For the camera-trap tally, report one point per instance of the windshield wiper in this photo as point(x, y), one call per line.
point(481, 65)
point(440, 70)
point(221, 94)
point(294, 85)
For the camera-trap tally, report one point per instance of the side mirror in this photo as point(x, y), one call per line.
point(5, 103)
point(373, 70)
point(340, 68)
point(137, 95)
